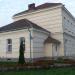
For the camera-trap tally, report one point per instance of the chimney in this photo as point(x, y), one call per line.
point(31, 6)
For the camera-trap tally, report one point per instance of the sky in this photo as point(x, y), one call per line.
point(10, 7)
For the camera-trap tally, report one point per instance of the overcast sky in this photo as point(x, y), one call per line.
point(10, 7)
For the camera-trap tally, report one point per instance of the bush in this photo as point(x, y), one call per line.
point(69, 61)
point(59, 60)
point(21, 54)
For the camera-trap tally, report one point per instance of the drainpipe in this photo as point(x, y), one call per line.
point(30, 44)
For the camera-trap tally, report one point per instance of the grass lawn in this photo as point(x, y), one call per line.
point(8, 63)
point(51, 71)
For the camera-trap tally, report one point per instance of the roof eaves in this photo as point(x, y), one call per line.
point(12, 30)
point(51, 40)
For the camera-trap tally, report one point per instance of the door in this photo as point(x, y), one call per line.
point(48, 50)
point(55, 50)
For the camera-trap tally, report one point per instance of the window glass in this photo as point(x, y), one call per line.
point(9, 45)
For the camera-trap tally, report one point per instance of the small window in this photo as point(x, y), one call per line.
point(56, 47)
point(68, 20)
point(64, 17)
point(65, 40)
point(22, 39)
point(9, 45)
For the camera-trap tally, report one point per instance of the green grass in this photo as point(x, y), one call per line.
point(51, 71)
point(7, 63)
point(2, 63)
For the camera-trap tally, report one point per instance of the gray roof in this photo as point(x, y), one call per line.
point(21, 24)
point(45, 5)
point(51, 40)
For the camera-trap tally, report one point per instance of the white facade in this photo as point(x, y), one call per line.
point(56, 20)
point(37, 45)
point(50, 19)
point(69, 33)
point(15, 36)
point(59, 21)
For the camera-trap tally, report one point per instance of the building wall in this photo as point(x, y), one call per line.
point(68, 22)
point(15, 36)
point(50, 19)
point(48, 50)
point(69, 43)
point(59, 36)
point(38, 43)
point(69, 33)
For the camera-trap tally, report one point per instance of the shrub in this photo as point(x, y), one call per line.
point(21, 54)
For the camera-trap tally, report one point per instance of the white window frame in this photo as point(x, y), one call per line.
point(9, 46)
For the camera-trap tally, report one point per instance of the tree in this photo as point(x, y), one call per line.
point(21, 53)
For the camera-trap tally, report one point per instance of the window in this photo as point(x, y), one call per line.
point(68, 20)
point(56, 47)
point(65, 40)
point(9, 45)
point(71, 23)
point(22, 39)
point(64, 17)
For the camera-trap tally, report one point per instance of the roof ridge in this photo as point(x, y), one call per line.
point(42, 6)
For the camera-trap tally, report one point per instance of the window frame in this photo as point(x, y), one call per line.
point(9, 46)
point(56, 47)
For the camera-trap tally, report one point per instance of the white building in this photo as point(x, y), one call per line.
point(52, 29)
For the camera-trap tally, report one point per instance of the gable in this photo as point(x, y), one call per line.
point(21, 24)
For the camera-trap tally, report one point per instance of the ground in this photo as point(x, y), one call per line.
point(51, 71)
